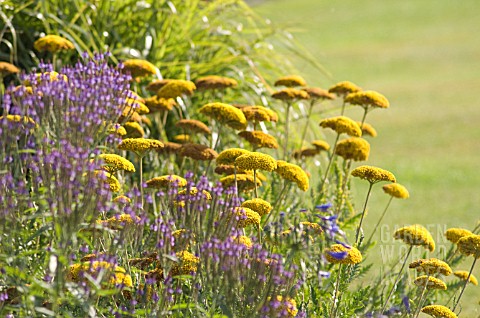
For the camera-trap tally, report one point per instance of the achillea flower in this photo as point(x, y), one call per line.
point(367, 99)
point(116, 274)
point(7, 68)
point(259, 139)
point(344, 88)
point(321, 145)
point(166, 181)
point(415, 235)
point(226, 169)
point(290, 81)
point(280, 307)
point(243, 240)
point(245, 182)
point(470, 245)
point(197, 152)
point(193, 125)
point(290, 94)
point(137, 105)
point(463, 275)
point(46, 76)
point(352, 254)
point(109, 179)
point(294, 173)
point(133, 129)
point(155, 85)
point(215, 82)
point(353, 148)
point(373, 174)
point(53, 44)
point(431, 266)
point(176, 88)
point(311, 227)
point(117, 129)
point(122, 199)
point(396, 190)
point(438, 311)
point(318, 93)
point(193, 191)
point(140, 146)
point(115, 162)
point(256, 161)
point(246, 217)
point(182, 138)
point(158, 104)
point(258, 205)
point(225, 114)
point(342, 125)
point(367, 129)
point(19, 119)
point(305, 152)
point(454, 234)
point(432, 282)
point(228, 156)
point(119, 222)
point(187, 264)
point(169, 147)
point(139, 68)
point(258, 113)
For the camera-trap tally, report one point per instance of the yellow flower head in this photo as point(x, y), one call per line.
point(286, 308)
point(373, 174)
point(305, 152)
point(431, 282)
point(193, 125)
point(256, 161)
point(431, 266)
point(259, 139)
point(133, 129)
point(7, 68)
point(215, 82)
point(318, 93)
point(367, 129)
point(176, 88)
point(169, 148)
point(49, 76)
point(367, 99)
point(352, 254)
point(353, 148)
point(122, 199)
point(187, 264)
point(197, 152)
point(119, 222)
point(321, 145)
point(258, 205)
point(139, 68)
point(117, 129)
point(194, 191)
point(294, 173)
point(246, 217)
point(53, 44)
point(470, 245)
point(19, 119)
point(342, 125)
point(245, 182)
point(155, 85)
point(137, 105)
point(438, 311)
point(159, 104)
point(396, 190)
point(228, 157)
point(463, 275)
point(258, 113)
point(344, 88)
point(182, 138)
point(454, 234)
point(117, 275)
point(225, 114)
point(229, 169)
point(290, 81)
point(140, 145)
point(109, 179)
point(115, 163)
point(415, 235)
point(311, 227)
point(243, 240)
point(166, 181)
point(290, 94)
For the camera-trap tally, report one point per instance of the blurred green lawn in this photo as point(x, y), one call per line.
point(424, 56)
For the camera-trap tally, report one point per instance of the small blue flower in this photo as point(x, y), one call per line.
point(406, 303)
point(324, 207)
point(323, 274)
point(338, 255)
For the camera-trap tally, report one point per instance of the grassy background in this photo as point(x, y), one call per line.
point(424, 56)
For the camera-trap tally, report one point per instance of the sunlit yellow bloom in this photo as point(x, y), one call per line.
point(305, 152)
point(290, 81)
point(166, 181)
point(431, 266)
point(215, 82)
point(49, 76)
point(197, 152)
point(259, 139)
point(175, 88)
point(256, 161)
point(259, 113)
point(18, 119)
point(157, 104)
point(245, 182)
point(115, 162)
point(342, 125)
point(134, 130)
point(193, 125)
point(321, 145)
point(353, 255)
point(137, 105)
point(373, 174)
point(454, 234)
point(415, 235)
point(225, 114)
point(110, 180)
point(120, 221)
point(243, 240)
point(290, 94)
point(470, 245)
point(139, 145)
point(187, 264)
point(353, 148)
point(155, 85)
point(182, 138)
point(193, 191)
point(396, 190)
point(367, 99)
point(318, 93)
point(464, 275)
point(116, 274)
point(344, 88)
point(53, 44)
point(7, 68)
point(139, 68)
point(367, 129)
point(228, 156)
point(431, 282)
point(438, 311)
point(311, 227)
point(286, 308)
point(122, 199)
point(294, 173)
point(117, 129)
point(258, 205)
point(246, 217)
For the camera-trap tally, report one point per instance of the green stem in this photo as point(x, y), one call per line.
point(141, 178)
point(465, 285)
point(329, 164)
point(343, 107)
point(363, 118)
point(420, 300)
point(285, 144)
point(255, 181)
point(378, 223)
point(337, 285)
point(236, 183)
point(275, 205)
point(304, 134)
point(359, 228)
point(344, 186)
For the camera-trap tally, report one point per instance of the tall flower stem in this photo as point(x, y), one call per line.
point(379, 221)
point(279, 199)
point(343, 107)
point(363, 118)
point(344, 186)
point(236, 182)
point(330, 161)
point(465, 285)
point(141, 178)
point(255, 181)
point(359, 228)
point(304, 134)
point(285, 144)
point(397, 278)
point(420, 300)
point(333, 313)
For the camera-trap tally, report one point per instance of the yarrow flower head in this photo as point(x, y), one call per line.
point(246, 217)
point(228, 156)
point(463, 275)
point(225, 114)
point(197, 152)
point(431, 266)
point(415, 235)
point(115, 162)
point(256, 161)
point(341, 254)
point(176, 88)
point(373, 174)
point(354, 148)
point(159, 104)
point(243, 240)
point(290, 94)
point(245, 182)
point(344, 88)
point(258, 113)
point(193, 125)
point(187, 264)
point(294, 173)
point(470, 245)
point(431, 282)
point(280, 306)
point(258, 205)
point(342, 125)
point(367, 99)
point(119, 222)
point(259, 139)
point(53, 44)
point(317, 93)
point(321, 145)
point(116, 275)
point(396, 190)
point(139, 68)
point(166, 181)
point(7, 68)
point(438, 311)
point(367, 129)
point(305, 152)
point(133, 130)
point(140, 146)
point(290, 81)
point(109, 179)
point(454, 234)
point(215, 82)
